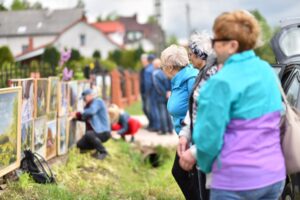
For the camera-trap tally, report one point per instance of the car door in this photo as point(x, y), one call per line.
point(291, 87)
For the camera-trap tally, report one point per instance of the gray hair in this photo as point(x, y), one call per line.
point(174, 56)
point(200, 44)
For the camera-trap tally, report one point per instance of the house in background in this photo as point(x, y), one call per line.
point(113, 29)
point(27, 33)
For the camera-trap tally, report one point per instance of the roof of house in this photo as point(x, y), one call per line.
point(109, 26)
point(38, 22)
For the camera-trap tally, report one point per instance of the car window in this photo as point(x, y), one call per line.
point(293, 91)
point(289, 42)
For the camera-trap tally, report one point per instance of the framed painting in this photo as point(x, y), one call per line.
point(73, 95)
point(80, 130)
point(108, 88)
point(52, 105)
point(99, 86)
point(72, 132)
point(40, 136)
point(51, 142)
point(63, 98)
point(62, 137)
point(27, 135)
point(80, 103)
point(10, 129)
point(41, 93)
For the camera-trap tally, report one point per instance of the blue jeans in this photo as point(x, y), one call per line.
point(271, 192)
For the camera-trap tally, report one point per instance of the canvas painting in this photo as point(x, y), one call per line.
point(27, 135)
point(73, 95)
point(41, 97)
point(10, 131)
point(99, 86)
point(51, 139)
point(27, 99)
point(62, 147)
point(40, 136)
point(80, 130)
point(72, 132)
point(80, 103)
point(53, 94)
point(108, 87)
point(63, 98)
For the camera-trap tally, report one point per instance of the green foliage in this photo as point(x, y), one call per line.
point(108, 65)
point(51, 56)
point(172, 40)
point(2, 7)
point(152, 20)
point(19, 5)
point(75, 55)
point(129, 59)
point(115, 56)
point(34, 64)
point(5, 55)
point(37, 6)
point(97, 54)
point(135, 109)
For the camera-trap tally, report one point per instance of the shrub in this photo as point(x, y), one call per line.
point(97, 54)
point(5, 55)
point(51, 56)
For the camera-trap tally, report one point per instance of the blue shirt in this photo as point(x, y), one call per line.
point(161, 85)
point(148, 82)
point(97, 115)
point(181, 89)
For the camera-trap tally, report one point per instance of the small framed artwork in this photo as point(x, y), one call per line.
point(10, 129)
point(51, 140)
point(80, 130)
point(40, 136)
point(72, 132)
point(80, 103)
point(52, 105)
point(73, 95)
point(63, 139)
point(63, 98)
point(27, 135)
point(41, 93)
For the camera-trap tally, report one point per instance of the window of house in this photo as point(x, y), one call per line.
point(82, 40)
point(24, 47)
point(293, 91)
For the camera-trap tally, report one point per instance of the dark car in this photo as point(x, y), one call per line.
point(286, 47)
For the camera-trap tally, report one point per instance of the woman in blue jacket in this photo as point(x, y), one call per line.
point(175, 64)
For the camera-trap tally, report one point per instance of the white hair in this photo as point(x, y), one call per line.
point(200, 44)
point(174, 56)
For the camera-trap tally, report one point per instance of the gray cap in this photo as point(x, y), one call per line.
point(86, 92)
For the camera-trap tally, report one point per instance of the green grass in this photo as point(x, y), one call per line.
point(135, 108)
point(123, 175)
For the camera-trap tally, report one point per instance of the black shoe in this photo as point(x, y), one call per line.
point(162, 133)
point(100, 156)
point(132, 139)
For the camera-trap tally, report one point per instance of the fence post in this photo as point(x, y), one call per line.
point(128, 87)
point(116, 95)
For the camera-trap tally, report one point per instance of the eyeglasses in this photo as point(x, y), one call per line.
point(213, 41)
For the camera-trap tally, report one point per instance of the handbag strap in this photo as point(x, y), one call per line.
point(283, 94)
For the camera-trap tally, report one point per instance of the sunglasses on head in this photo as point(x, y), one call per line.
point(213, 41)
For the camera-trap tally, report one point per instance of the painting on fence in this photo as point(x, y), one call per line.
point(51, 139)
point(108, 87)
point(41, 97)
point(40, 136)
point(62, 147)
point(99, 86)
point(27, 99)
point(27, 135)
point(10, 131)
point(80, 103)
point(80, 130)
point(73, 96)
point(72, 132)
point(63, 97)
point(53, 94)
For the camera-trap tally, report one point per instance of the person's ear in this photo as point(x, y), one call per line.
point(234, 46)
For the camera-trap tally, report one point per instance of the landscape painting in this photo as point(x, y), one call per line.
point(40, 136)
point(53, 94)
point(51, 139)
point(73, 96)
point(10, 131)
point(41, 97)
point(27, 136)
point(63, 98)
point(72, 132)
point(62, 147)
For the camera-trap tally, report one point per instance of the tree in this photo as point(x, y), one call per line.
point(2, 7)
point(115, 56)
point(152, 20)
point(112, 16)
point(5, 55)
point(172, 40)
point(51, 56)
point(19, 5)
point(97, 54)
point(37, 6)
point(264, 49)
point(75, 55)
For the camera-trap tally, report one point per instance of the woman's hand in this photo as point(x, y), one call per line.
point(187, 160)
point(182, 145)
point(73, 115)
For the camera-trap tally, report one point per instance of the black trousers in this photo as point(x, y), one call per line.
point(192, 184)
point(92, 140)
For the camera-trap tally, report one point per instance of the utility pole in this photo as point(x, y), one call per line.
point(188, 19)
point(157, 5)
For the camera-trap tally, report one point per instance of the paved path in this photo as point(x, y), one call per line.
point(146, 138)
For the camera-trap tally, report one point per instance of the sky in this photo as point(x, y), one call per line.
point(174, 20)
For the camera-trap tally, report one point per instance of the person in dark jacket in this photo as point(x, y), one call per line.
point(122, 123)
point(144, 61)
point(97, 124)
point(162, 88)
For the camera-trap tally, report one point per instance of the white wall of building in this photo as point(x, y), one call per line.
point(94, 40)
point(42, 40)
point(117, 37)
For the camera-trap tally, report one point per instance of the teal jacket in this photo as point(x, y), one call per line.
point(245, 88)
point(181, 89)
